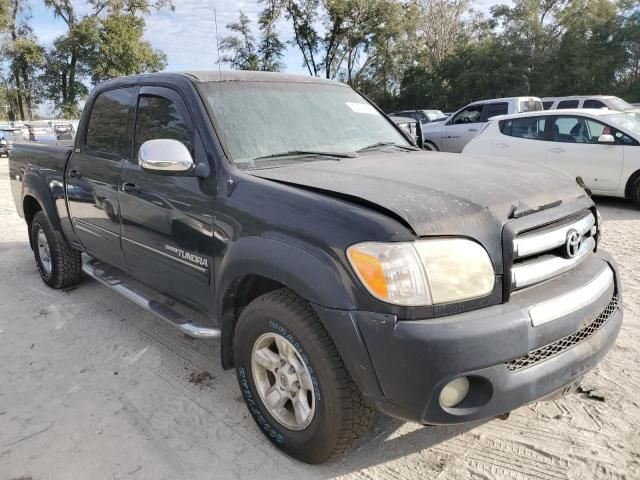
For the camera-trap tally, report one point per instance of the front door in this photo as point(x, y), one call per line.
point(93, 174)
point(462, 127)
point(574, 148)
point(167, 220)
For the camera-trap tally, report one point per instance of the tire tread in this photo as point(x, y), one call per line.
point(357, 416)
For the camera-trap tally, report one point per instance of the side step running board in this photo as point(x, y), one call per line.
point(95, 270)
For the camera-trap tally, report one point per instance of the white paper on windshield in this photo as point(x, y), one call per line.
point(362, 108)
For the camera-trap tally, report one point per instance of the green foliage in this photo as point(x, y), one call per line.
point(120, 50)
point(241, 52)
point(104, 43)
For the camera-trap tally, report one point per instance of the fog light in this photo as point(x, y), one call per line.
point(454, 392)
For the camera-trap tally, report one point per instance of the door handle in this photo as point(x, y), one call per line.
point(74, 173)
point(557, 150)
point(130, 188)
point(502, 145)
point(473, 130)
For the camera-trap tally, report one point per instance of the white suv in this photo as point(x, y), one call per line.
point(601, 146)
point(590, 101)
point(453, 133)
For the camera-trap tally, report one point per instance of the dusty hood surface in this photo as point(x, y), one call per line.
point(436, 193)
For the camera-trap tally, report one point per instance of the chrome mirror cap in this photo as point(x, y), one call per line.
point(165, 155)
point(606, 138)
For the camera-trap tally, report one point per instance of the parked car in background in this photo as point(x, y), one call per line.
point(590, 101)
point(423, 116)
point(411, 126)
point(9, 136)
point(453, 133)
point(601, 146)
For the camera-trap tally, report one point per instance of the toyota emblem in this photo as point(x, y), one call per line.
point(573, 243)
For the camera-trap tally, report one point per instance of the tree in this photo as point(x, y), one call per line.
point(104, 43)
point(240, 47)
point(243, 53)
point(23, 53)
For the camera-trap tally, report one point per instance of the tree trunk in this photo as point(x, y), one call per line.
point(14, 68)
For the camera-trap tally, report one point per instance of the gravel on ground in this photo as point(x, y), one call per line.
point(93, 387)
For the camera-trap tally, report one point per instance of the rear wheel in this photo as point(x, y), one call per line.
point(59, 265)
point(635, 192)
point(293, 380)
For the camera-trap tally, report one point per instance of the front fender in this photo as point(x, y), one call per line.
point(313, 276)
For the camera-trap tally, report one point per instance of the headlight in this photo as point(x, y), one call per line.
point(425, 272)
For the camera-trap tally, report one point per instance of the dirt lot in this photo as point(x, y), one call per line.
point(92, 387)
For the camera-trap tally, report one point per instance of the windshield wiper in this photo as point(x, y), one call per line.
point(388, 144)
point(309, 153)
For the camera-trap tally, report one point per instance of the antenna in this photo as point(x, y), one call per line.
point(215, 20)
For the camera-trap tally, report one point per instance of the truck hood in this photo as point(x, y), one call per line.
point(436, 193)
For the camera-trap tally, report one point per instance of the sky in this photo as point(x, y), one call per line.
point(187, 35)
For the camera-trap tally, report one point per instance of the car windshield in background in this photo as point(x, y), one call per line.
point(625, 121)
point(261, 122)
point(531, 105)
point(619, 104)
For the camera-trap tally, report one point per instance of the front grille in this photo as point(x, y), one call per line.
point(541, 354)
point(543, 253)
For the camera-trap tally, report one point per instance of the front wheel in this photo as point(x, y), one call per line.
point(293, 380)
point(635, 193)
point(429, 146)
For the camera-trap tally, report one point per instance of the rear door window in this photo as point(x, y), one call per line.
point(593, 104)
point(568, 104)
point(531, 128)
point(495, 109)
point(107, 131)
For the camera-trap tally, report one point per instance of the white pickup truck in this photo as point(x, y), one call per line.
point(453, 133)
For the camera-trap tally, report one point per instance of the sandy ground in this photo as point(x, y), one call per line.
point(92, 387)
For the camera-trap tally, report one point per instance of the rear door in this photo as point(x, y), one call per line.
point(462, 127)
point(167, 220)
point(93, 173)
point(573, 146)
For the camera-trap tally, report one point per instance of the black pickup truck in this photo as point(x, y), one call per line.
point(342, 269)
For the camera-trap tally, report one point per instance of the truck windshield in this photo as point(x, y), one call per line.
point(261, 122)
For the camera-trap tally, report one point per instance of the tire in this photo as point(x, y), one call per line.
point(430, 147)
point(339, 416)
point(63, 268)
point(635, 192)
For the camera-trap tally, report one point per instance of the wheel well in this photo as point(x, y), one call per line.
point(435, 147)
point(630, 182)
point(30, 207)
point(247, 289)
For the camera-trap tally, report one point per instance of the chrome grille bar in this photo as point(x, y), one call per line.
point(547, 266)
point(543, 240)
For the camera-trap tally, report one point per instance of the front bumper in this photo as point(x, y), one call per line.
point(413, 360)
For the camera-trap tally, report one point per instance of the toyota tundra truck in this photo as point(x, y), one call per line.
point(342, 269)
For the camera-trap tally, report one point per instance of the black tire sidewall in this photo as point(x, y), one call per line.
point(40, 223)
point(316, 442)
point(635, 193)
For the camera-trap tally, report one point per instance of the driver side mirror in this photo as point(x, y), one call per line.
point(607, 139)
point(165, 156)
